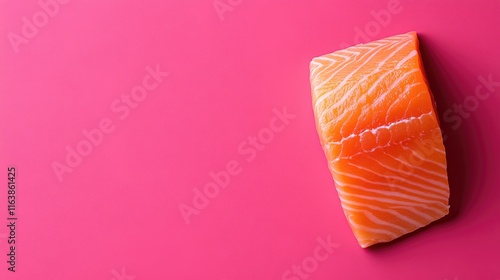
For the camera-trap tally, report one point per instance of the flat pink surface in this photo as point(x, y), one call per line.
point(70, 67)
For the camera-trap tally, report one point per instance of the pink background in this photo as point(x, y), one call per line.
point(119, 209)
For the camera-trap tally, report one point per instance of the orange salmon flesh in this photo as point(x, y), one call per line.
point(377, 124)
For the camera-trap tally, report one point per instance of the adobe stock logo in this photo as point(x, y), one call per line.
point(414, 162)
point(223, 6)
point(373, 28)
point(248, 149)
point(30, 27)
point(122, 107)
point(471, 103)
point(310, 264)
point(121, 276)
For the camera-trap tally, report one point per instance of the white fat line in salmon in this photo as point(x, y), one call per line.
point(392, 211)
point(391, 193)
point(372, 55)
point(430, 192)
point(353, 55)
point(376, 129)
point(454, 116)
point(399, 172)
point(377, 48)
point(368, 93)
point(391, 202)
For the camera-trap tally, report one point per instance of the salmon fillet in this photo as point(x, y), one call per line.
point(377, 124)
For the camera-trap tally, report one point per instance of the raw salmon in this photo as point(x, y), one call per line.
point(377, 123)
